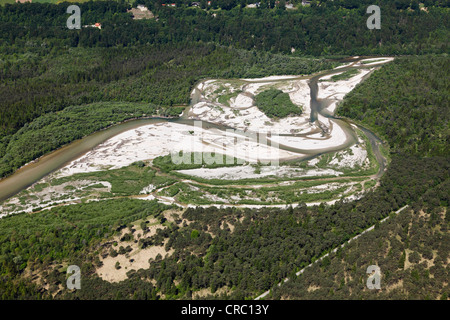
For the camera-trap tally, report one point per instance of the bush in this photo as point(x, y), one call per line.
point(276, 104)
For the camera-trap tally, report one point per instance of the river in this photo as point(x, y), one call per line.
point(39, 168)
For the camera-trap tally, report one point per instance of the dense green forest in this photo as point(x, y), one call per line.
point(71, 233)
point(51, 78)
point(331, 27)
point(412, 250)
point(406, 102)
point(412, 112)
point(276, 104)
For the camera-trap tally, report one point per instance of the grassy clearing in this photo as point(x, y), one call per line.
point(369, 184)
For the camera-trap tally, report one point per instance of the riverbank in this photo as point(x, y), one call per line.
point(146, 139)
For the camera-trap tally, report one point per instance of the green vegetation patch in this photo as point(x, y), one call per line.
point(197, 160)
point(225, 98)
point(369, 184)
point(67, 231)
point(345, 75)
point(406, 103)
point(276, 104)
point(413, 263)
point(300, 191)
point(124, 181)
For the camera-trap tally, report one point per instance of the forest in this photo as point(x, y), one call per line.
point(51, 78)
point(329, 28)
point(412, 250)
point(412, 112)
point(239, 253)
point(276, 103)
